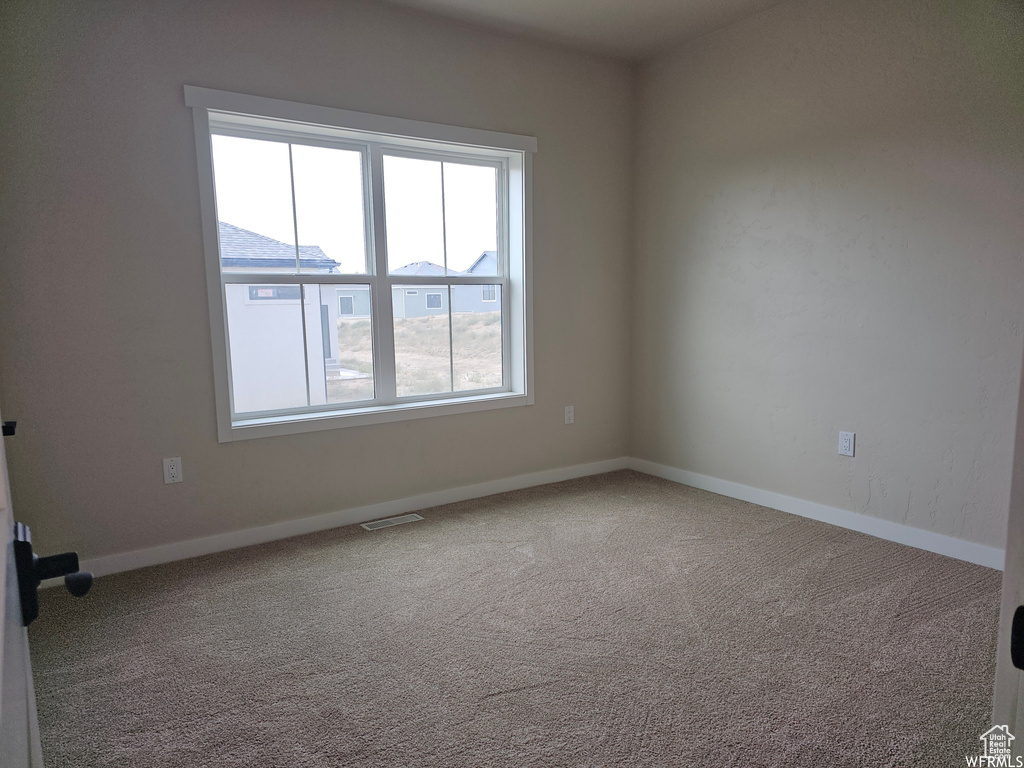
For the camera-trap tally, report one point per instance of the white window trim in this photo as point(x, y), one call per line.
point(335, 123)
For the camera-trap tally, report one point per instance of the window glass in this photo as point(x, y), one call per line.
point(341, 348)
point(471, 219)
point(413, 215)
point(256, 229)
point(476, 338)
point(265, 347)
point(423, 364)
point(329, 214)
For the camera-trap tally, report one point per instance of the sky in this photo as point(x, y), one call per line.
point(254, 191)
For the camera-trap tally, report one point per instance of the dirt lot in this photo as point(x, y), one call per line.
point(422, 358)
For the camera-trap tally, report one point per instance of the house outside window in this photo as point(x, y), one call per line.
point(323, 229)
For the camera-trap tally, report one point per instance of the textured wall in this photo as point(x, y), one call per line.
point(104, 340)
point(830, 219)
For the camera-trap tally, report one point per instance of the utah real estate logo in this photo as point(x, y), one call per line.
point(996, 750)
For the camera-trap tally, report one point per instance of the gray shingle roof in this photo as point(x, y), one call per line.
point(488, 260)
point(244, 248)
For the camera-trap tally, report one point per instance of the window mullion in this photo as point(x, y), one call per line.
point(444, 248)
point(298, 268)
point(275, 278)
point(384, 346)
point(506, 331)
point(451, 340)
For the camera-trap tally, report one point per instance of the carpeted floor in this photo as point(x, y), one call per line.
point(618, 620)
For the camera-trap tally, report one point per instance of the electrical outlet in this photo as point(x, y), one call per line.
point(172, 470)
point(846, 443)
point(570, 414)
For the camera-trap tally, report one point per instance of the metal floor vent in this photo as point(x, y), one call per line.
point(387, 522)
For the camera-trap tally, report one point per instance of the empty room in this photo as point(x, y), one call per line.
point(462, 383)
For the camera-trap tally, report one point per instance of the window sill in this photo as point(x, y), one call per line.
point(247, 429)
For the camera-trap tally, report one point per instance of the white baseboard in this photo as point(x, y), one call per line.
point(141, 558)
point(980, 554)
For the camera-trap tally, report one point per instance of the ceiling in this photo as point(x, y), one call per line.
point(630, 29)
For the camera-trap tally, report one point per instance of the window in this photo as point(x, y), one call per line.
point(360, 268)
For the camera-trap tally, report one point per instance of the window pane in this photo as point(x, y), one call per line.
point(422, 340)
point(340, 346)
point(476, 336)
point(329, 209)
point(265, 347)
point(471, 219)
point(412, 211)
point(254, 205)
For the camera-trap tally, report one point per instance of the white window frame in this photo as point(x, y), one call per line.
point(240, 114)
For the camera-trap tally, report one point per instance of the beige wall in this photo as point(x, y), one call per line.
point(828, 232)
point(830, 219)
point(104, 341)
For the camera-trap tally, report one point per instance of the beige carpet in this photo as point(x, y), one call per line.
point(618, 620)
